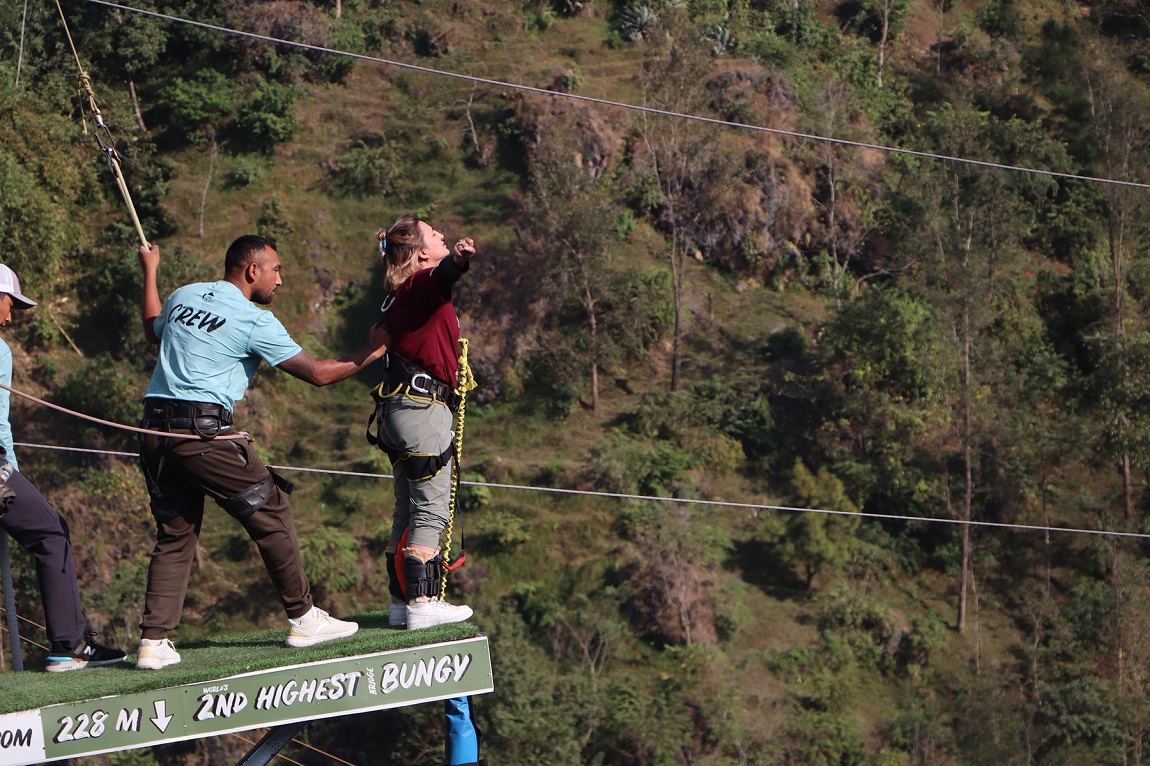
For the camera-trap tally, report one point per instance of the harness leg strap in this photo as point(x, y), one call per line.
point(250, 500)
point(285, 486)
point(423, 467)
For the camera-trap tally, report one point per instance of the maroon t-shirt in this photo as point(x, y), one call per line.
point(423, 325)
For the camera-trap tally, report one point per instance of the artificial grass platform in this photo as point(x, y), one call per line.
point(213, 659)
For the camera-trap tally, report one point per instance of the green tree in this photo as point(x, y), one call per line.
point(846, 198)
point(878, 424)
point(270, 118)
point(331, 559)
point(676, 548)
point(1040, 437)
point(973, 224)
point(678, 154)
point(889, 17)
point(1121, 139)
point(818, 542)
point(572, 234)
point(530, 719)
point(202, 105)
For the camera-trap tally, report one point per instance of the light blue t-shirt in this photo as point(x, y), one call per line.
point(6, 439)
point(212, 339)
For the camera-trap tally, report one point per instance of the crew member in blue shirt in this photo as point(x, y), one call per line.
point(212, 337)
point(27, 517)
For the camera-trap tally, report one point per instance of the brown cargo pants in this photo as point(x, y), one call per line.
point(180, 473)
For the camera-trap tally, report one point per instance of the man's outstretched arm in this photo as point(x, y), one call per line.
point(321, 372)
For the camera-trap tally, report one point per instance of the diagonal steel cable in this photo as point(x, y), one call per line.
point(623, 105)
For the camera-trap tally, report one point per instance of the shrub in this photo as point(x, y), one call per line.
point(201, 104)
point(1000, 19)
point(472, 498)
point(270, 118)
point(368, 166)
point(630, 466)
point(272, 223)
point(347, 37)
point(243, 173)
point(636, 20)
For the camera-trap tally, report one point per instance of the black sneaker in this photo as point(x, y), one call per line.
point(87, 654)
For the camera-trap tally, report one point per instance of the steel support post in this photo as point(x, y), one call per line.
point(269, 747)
point(10, 602)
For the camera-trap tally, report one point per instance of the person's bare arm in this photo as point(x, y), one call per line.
point(322, 372)
point(150, 305)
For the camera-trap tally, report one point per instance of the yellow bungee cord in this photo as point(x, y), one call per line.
point(466, 383)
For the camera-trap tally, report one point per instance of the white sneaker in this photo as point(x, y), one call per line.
point(318, 626)
point(154, 654)
point(397, 614)
point(435, 612)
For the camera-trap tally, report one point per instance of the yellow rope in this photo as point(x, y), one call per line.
point(106, 144)
point(466, 383)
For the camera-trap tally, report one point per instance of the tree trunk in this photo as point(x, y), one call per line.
point(208, 183)
point(967, 436)
point(1046, 523)
point(832, 224)
point(589, 305)
point(968, 477)
point(1127, 486)
point(136, 105)
point(684, 609)
point(678, 265)
point(977, 626)
point(1117, 582)
point(882, 40)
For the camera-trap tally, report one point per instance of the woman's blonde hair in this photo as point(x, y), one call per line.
point(401, 245)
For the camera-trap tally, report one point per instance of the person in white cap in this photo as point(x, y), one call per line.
point(27, 517)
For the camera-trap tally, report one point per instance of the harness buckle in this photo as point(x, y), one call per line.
point(415, 386)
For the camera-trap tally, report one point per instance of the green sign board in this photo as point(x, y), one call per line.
point(248, 701)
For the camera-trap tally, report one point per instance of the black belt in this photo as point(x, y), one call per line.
point(166, 414)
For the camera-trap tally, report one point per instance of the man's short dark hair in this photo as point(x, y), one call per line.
point(243, 250)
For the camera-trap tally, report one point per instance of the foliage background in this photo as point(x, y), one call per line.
point(661, 308)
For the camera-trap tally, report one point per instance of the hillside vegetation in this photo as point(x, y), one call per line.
point(707, 326)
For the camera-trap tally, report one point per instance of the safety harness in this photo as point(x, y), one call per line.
point(405, 378)
point(207, 421)
point(7, 495)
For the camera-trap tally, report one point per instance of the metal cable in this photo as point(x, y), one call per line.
point(623, 105)
point(22, 618)
point(680, 500)
point(251, 743)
